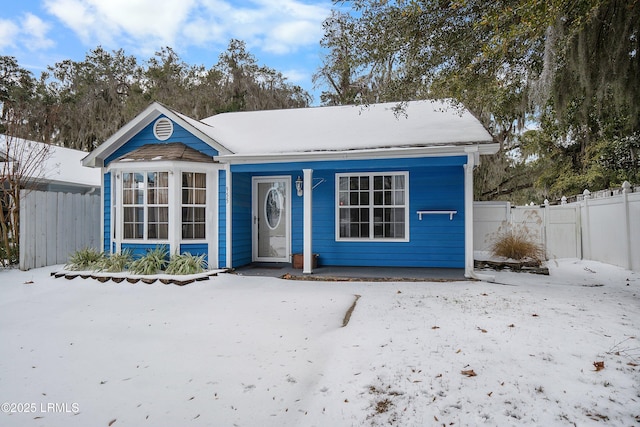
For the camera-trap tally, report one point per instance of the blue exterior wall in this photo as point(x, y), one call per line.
point(145, 136)
point(139, 249)
point(222, 218)
point(241, 219)
point(196, 249)
point(435, 183)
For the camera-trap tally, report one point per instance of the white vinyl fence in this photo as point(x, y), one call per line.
point(602, 229)
point(53, 225)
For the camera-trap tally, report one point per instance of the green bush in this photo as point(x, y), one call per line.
point(186, 264)
point(85, 259)
point(153, 262)
point(117, 262)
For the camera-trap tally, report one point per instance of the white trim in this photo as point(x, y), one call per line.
point(360, 154)
point(229, 217)
point(468, 222)
point(102, 172)
point(211, 226)
point(371, 206)
point(116, 207)
point(254, 219)
point(175, 170)
point(145, 206)
point(307, 222)
point(161, 166)
point(152, 112)
point(175, 200)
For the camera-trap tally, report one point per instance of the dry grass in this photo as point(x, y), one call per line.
point(517, 244)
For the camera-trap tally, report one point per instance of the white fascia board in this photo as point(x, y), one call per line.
point(128, 131)
point(123, 134)
point(164, 165)
point(376, 153)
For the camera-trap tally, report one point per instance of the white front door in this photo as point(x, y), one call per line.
point(271, 219)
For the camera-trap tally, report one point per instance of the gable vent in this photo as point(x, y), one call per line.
point(163, 128)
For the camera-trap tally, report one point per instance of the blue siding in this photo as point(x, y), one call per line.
point(106, 194)
point(434, 184)
point(241, 220)
point(222, 218)
point(433, 242)
point(196, 249)
point(140, 249)
point(145, 136)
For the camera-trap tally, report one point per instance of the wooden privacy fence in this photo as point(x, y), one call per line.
point(53, 225)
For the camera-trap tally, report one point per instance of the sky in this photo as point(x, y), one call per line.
point(281, 34)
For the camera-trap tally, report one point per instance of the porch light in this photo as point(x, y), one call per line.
point(299, 186)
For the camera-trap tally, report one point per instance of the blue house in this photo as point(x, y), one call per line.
point(352, 185)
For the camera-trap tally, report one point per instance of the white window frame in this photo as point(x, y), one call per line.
point(175, 169)
point(193, 206)
point(145, 206)
point(371, 207)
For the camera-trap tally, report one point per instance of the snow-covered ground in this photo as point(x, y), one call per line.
point(252, 351)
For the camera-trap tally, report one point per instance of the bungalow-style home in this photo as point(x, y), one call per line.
point(342, 186)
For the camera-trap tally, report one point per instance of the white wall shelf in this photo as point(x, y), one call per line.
point(450, 213)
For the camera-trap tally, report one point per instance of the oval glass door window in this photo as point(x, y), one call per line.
point(273, 208)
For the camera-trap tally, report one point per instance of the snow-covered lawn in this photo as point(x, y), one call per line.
point(255, 351)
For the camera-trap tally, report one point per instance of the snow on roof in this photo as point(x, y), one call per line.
point(63, 165)
point(421, 124)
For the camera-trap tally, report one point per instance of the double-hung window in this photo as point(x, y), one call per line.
point(194, 200)
point(373, 206)
point(145, 204)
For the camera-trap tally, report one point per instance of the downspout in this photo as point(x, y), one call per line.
point(469, 271)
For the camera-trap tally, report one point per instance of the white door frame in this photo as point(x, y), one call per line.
point(256, 213)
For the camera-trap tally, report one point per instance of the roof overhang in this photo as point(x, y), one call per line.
point(364, 154)
point(97, 157)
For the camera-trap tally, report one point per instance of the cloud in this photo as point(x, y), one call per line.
point(30, 32)
point(296, 76)
point(8, 33)
point(274, 26)
point(288, 36)
point(35, 33)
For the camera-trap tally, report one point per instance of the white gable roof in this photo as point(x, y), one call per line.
point(152, 112)
point(60, 165)
point(342, 128)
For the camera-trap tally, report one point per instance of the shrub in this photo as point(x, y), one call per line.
point(153, 262)
point(117, 262)
point(517, 244)
point(186, 264)
point(85, 259)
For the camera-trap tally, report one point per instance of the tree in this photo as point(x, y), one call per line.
point(16, 92)
point(246, 86)
point(21, 166)
point(510, 63)
point(91, 96)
